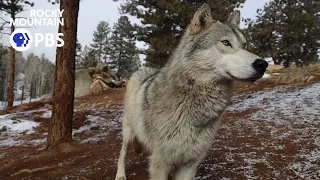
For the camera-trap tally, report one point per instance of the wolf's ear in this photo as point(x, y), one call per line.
point(234, 18)
point(201, 20)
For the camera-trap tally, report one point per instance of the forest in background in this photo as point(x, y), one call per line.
point(285, 30)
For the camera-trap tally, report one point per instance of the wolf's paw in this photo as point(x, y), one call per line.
point(121, 178)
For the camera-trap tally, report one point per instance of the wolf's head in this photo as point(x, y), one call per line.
point(97, 74)
point(214, 50)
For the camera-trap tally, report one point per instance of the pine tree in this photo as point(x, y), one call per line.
point(124, 54)
point(3, 51)
point(88, 57)
point(287, 31)
point(163, 22)
point(60, 130)
point(79, 62)
point(12, 8)
point(100, 43)
point(31, 76)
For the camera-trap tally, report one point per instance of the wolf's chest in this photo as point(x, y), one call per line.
point(189, 143)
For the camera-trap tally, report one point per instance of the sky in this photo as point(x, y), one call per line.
point(90, 14)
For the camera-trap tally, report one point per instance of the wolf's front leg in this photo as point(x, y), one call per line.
point(187, 172)
point(121, 173)
point(127, 138)
point(158, 169)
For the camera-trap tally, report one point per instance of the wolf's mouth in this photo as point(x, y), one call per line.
point(251, 79)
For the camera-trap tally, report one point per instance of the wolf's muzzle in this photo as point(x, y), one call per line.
point(260, 65)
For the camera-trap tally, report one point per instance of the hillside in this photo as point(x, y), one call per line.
point(270, 131)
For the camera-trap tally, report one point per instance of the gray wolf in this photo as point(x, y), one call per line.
point(174, 112)
point(94, 80)
point(103, 79)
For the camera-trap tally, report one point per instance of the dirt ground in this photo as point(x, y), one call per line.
point(254, 141)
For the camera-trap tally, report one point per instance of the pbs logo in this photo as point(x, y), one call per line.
point(21, 39)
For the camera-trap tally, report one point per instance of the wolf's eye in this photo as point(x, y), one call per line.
point(226, 43)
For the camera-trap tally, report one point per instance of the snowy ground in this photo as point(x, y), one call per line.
point(285, 125)
point(283, 106)
point(101, 123)
point(272, 134)
point(14, 126)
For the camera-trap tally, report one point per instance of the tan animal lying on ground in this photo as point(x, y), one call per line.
point(94, 80)
point(103, 80)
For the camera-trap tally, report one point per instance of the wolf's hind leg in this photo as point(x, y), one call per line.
point(158, 169)
point(127, 137)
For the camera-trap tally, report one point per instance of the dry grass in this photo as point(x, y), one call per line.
point(286, 76)
point(273, 67)
point(293, 74)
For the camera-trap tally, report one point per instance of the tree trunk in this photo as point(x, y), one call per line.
point(11, 73)
point(22, 95)
point(63, 95)
point(2, 82)
point(31, 94)
point(42, 92)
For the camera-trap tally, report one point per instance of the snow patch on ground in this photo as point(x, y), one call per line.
point(47, 114)
point(17, 142)
point(282, 107)
point(305, 167)
point(279, 120)
point(9, 126)
point(101, 124)
point(14, 127)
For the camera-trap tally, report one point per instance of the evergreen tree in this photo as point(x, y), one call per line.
point(47, 76)
point(79, 63)
point(12, 8)
point(287, 31)
point(124, 53)
point(31, 76)
point(88, 57)
point(100, 43)
point(3, 75)
point(163, 22)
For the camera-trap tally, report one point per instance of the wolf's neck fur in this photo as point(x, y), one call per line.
point(206, 100)
point(184, 80)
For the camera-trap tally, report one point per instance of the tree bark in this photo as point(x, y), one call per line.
point(11, 72)
point(31, 93)
point(63, 95)
point(22, 96)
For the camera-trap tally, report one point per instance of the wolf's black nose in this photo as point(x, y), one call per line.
point(260, 65)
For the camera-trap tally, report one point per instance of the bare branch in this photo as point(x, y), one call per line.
point(5, 21)
point(6, 33)
point(21, 18)
point(2, 25)
point(6, 11)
